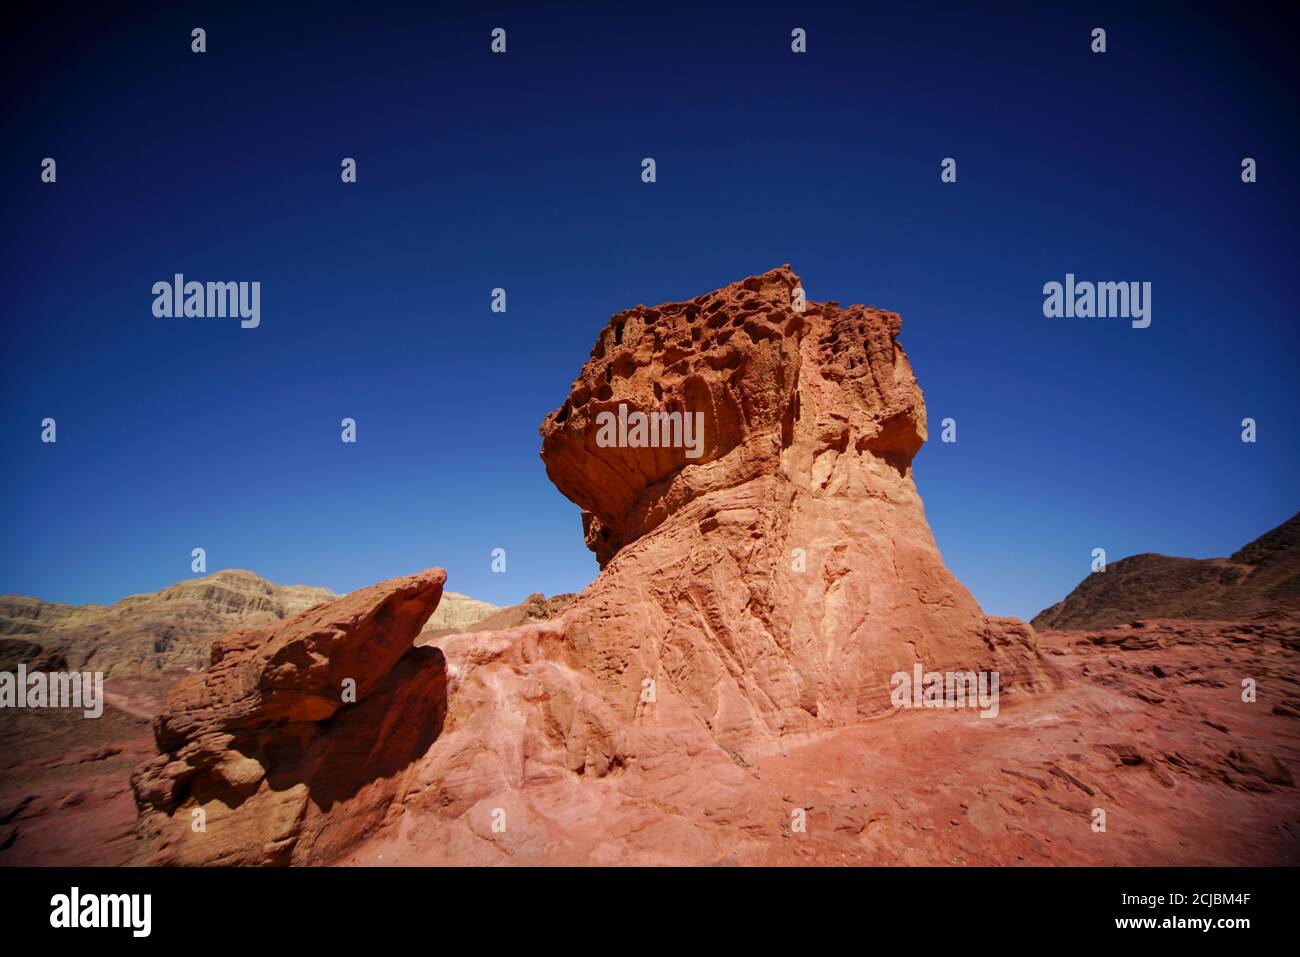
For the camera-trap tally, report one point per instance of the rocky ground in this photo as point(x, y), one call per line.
point(65, 785)
point(1148, 726)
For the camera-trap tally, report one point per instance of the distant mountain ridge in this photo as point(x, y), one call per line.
point(172, 630)
point(1259, 576)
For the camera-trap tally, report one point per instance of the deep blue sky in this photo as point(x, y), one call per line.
point(523, 171)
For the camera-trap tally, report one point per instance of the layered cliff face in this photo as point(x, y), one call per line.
point(165, 633)
point(768, 586)
point(154, 634)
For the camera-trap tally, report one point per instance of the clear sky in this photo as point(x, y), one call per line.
point(523, 171)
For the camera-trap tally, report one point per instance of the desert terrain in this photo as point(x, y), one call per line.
point(719, 695)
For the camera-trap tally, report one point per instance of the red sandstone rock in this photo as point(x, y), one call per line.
point(811, 421)
point(291, 724)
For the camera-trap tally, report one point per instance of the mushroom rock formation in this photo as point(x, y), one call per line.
point(777, 581)
point(760, 591)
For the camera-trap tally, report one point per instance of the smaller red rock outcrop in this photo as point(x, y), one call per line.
point(289, 722)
